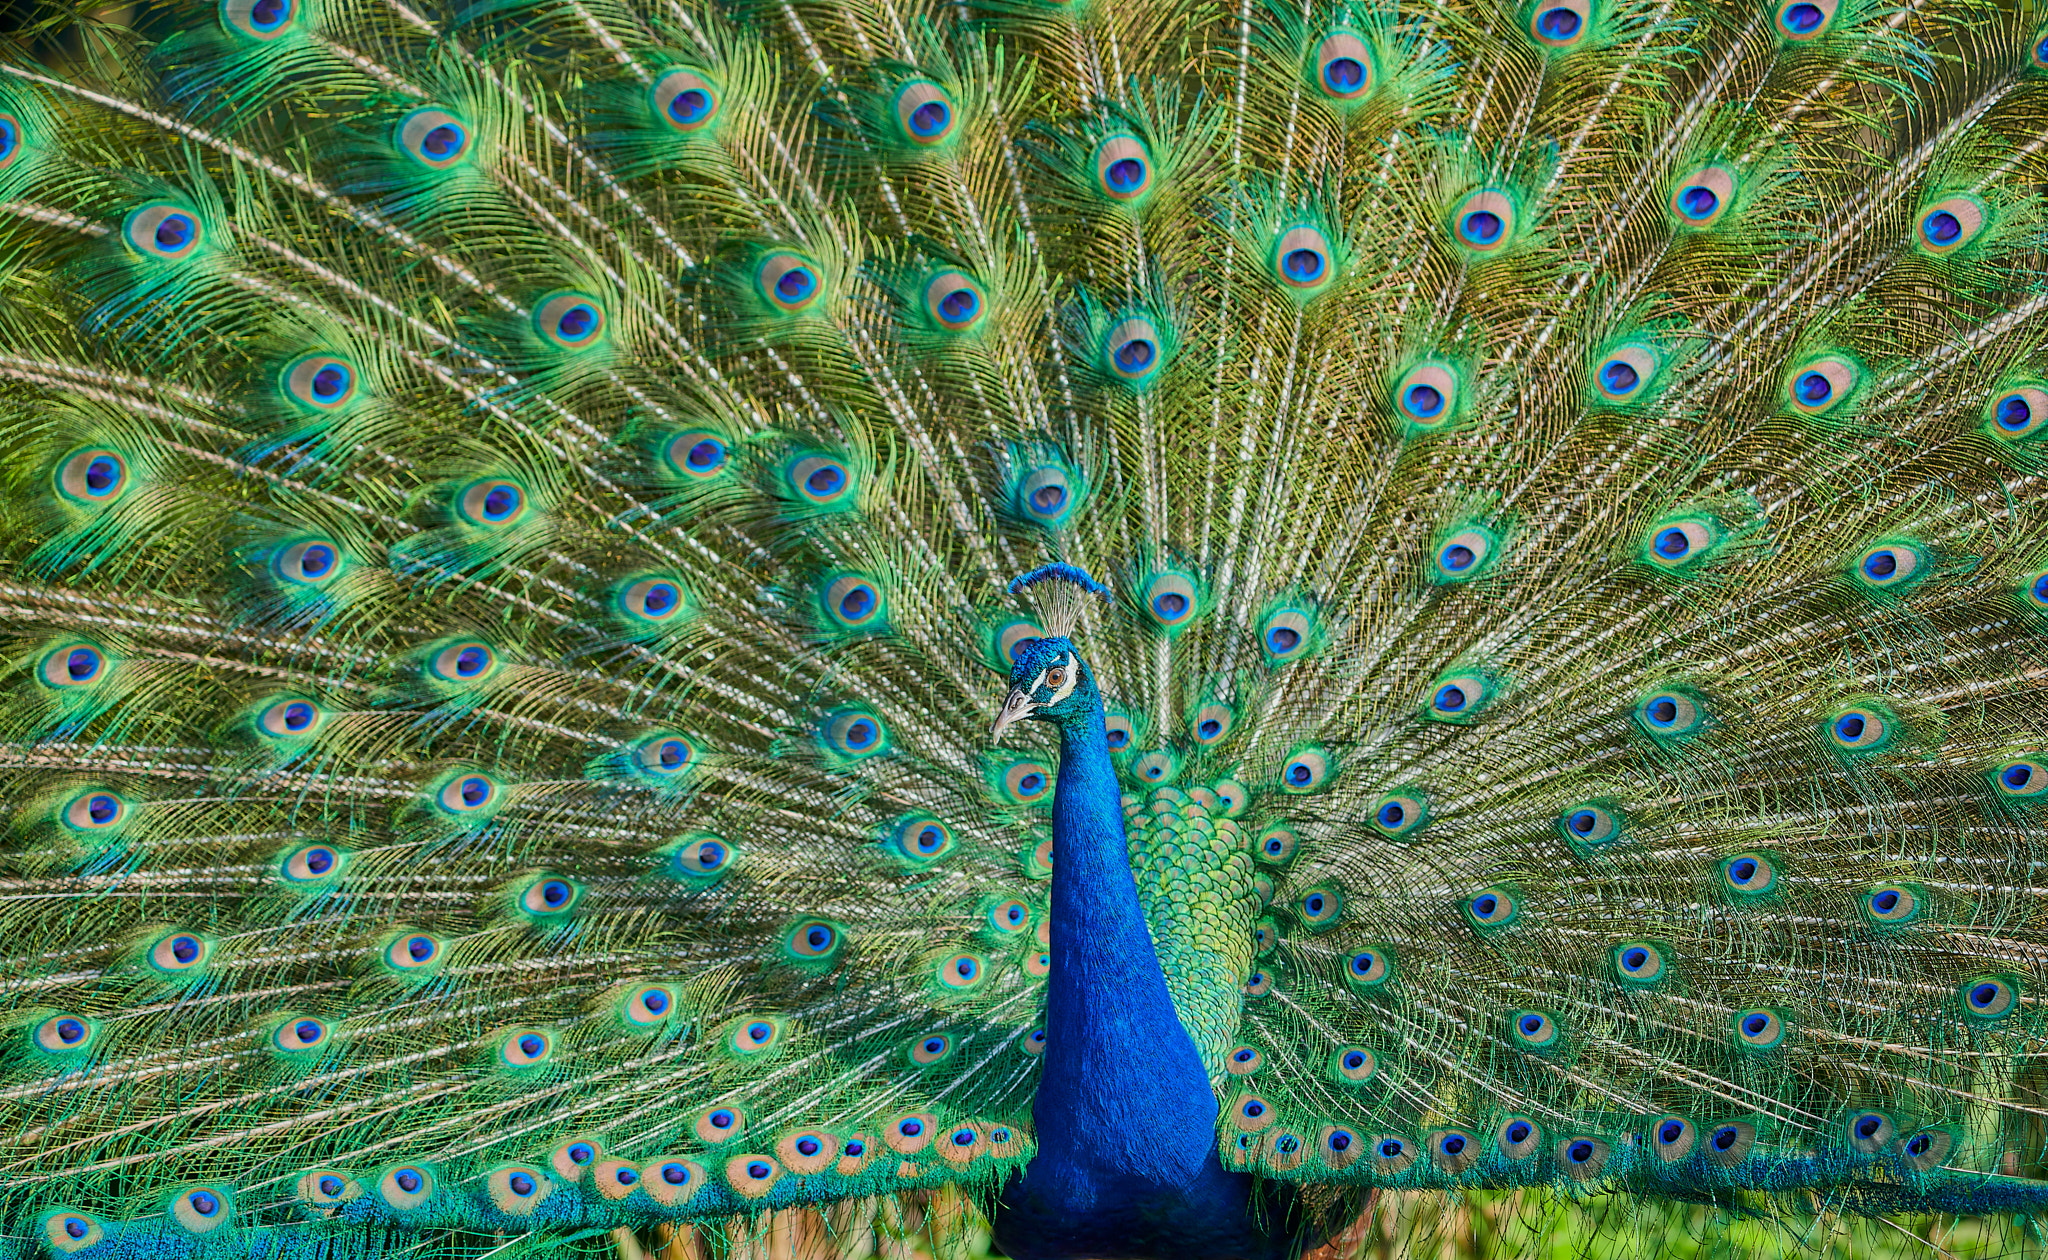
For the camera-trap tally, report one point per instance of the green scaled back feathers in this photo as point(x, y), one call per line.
point(506, 518)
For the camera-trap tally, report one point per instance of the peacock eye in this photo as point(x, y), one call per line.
point(1057, 678)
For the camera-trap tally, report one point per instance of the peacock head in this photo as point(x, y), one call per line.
point(1049, 682)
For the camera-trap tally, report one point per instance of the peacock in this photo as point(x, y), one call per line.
point(626, 616)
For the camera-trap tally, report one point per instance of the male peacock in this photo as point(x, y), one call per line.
point(1526, 670)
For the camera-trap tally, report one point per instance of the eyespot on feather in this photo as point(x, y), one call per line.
point(696, 454)
point(1988, 998)
point(920, 839)
point(1699, 199)
point(463, 661)
point(720, 1124)
point(180, 953)
point(954, 302)
point(550, 897)
point(1518, 1137)
point(1749, 874)
point(853, 601)
point(1390, 1154)
point(664, 755)
point(518, 1190)
point(1464, 555)
point(961, 972)
point(2021, 778)
point(1212, 723)
point(259, 20)
point(290, 718)
point(1172, 600)
point(1458, 697)
point(1133, 351)
point(319, 382)
point(821, 480)
point(910, 1133)
point(854, 733)
point(1925, 1150)
point(1027, 782)
point(925, 114)
point(615, 1179)
point(2018, 413)
point(1353, 1065)
point(1399, 815)
point(1308, 769)
point(522, 1049)
point(1679, 542)
point(1590, 824)
point(1276, 846)
point(1345, 69)
point(1672, 1138)
point(1758, 1028)
point(1728, 1144)
point(685, 101)
point(569, 320)
point(406, 1187)
point(1949, 224)
point(1820, 385)
point(420, 953)
point(201, 1210)
point(1859, 729)
point(93, 477)
point(1426, 397)
point(469, 793)
point(64, 1034)
point(1625, 374)
point(647, 1007)
point(1671, 713)
point(1491, 909)
point(433, 137)
point(74, 663)
point(1582, 1158)
point(789, 282)
point(1535, 1030)
point(814, 941)
point(807, 1151)
point(1799, 21)
point(672, 1182)
point(1868, 1132)
point(1123, 170)
point(1638, 962)
point(930, 1049)
point(163, 231)
point(309, 562)
point(752, 1176)
point(1319, 908)
point(296, 1035)
point(1558, 25)
point(573, 1157)
point(1369, 968)
point(1452, 1150)
point(1484, 222)
point(1889, 565)
point(1303, 262)
point(94, 810)
point(322, 1190)
point(493, 503)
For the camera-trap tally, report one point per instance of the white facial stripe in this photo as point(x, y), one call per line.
point(1073, 678)
point(1036, 683)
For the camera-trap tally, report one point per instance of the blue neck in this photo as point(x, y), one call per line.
point(1125, 1117)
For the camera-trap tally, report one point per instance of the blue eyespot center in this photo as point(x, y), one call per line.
point(1583, 822)
point(856, 1148)
point(1483, 227)
point(807, 1146)
point(2017, 775)
point(1725, 1137)
point(1755, 1025)
point(330, 383)
point(627, 1176)
point(761, 1032)
point(706, 455)
point(298, 715)
point(911, 1128)
point(1886, 901)
point(826, 480)
point(795, 284)
point(1344, 75)
point(1579, 1152)
point(1743, 871)
point(1518, 1132)
point(1814, 388)
point(102, 474)
point(1485, 906)
point(501, 502)
point(203, 1203)
point(1392, 814)
point(1920, 1145)
point(1559, 23)
point(1635, 959)
point(1354, 1060)
point(1531, 1025)
point(1283, 639)
point(83, 663)
point(307, 1031)
point(554, 892)
point(409, 1181)
point(175, 232)
point(1136, 354)
point(690, 105)
point(2014, 413)
point(655, 1001)
point(818, 937)
point(70, 1031)
point(316, 560)
point(722, 1119)
point(330, 1186)
point(1424, 401)
point(1867, 1126)
point(581, 1153)
point(1880, 565)
point(1302, 265)
point(1698, 201)
point(1804, 19)
point(420, 948)
point(759, 1170)
point(1126, 175)
point(1457, 558)
point(520, 1184)
point(1670, 1132)
point(676, 1174)
point(857, 603)
point(1662, 711)
point(930, 118)
point(1983, 995)
point(1450, 699)
point(1391, 1148)
point(1362, 964)
point(184, 949)
point(531, 1046)
point(1943, 227)
point(1618, 377)
point(1849, 727)
point(1672, 543)
point(443, 141)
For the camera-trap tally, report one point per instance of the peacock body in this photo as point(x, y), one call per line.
point(1505, 546)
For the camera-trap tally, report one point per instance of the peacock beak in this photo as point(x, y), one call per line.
point(1016, 707)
